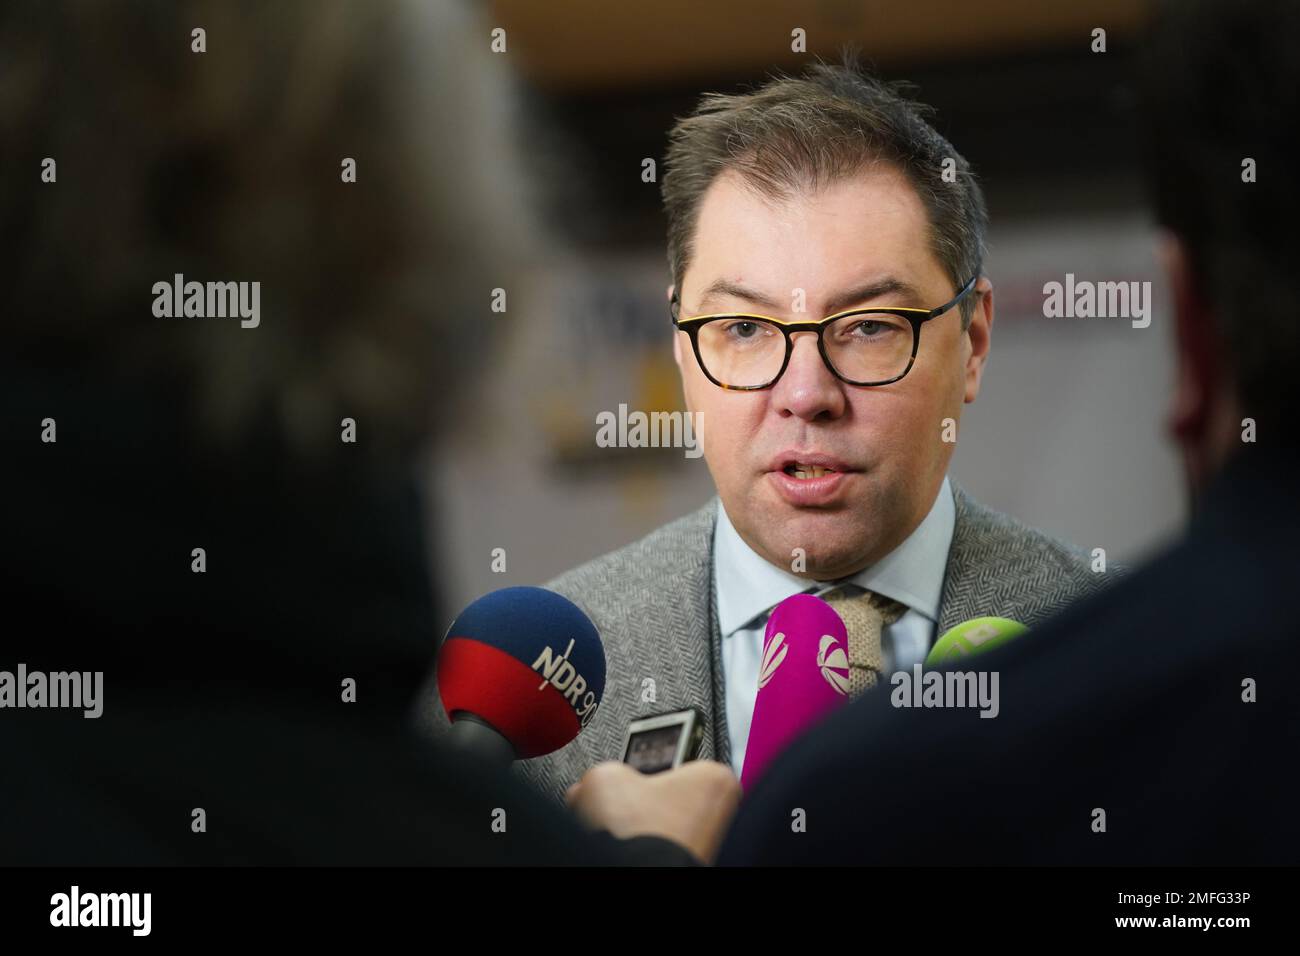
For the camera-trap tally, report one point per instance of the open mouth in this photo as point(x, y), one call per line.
point(799, 470)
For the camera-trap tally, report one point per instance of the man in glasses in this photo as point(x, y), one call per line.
point(830, 322)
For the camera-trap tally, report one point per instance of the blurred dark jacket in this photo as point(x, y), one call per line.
point(223, 690)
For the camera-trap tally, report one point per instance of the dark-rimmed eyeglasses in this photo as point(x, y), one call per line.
point(865, 347)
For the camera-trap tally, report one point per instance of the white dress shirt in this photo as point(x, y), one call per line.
point(749, 587)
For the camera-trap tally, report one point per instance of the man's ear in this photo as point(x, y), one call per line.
point(677, 339)
point(979, 335)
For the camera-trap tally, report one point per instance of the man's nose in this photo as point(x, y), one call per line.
point(808, 389)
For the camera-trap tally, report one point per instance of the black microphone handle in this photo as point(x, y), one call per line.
point(475, 735)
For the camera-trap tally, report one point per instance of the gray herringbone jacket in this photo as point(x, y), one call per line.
point(653, 603)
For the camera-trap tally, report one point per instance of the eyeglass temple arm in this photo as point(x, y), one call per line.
point(970, 284)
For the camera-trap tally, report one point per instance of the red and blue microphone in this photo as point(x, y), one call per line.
point(520, 672)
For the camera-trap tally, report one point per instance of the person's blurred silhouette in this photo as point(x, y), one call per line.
point(130, 440)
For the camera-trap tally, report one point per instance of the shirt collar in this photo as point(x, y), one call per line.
point(749, 586)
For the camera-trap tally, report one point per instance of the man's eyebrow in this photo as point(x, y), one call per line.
point(722, 287)
point(876, 288)
point(897, 289)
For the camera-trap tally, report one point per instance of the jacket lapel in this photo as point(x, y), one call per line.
point(717, 730)
point(959, 582)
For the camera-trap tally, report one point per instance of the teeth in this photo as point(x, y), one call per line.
point(810, 471)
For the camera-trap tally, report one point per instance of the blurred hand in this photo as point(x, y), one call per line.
point(691, 805)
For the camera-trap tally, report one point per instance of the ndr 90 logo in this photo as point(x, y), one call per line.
point(560, 673)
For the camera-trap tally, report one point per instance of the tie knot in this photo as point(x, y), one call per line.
point(865, 615)
point(853, 599)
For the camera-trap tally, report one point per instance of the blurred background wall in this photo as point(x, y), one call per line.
point(1067, 432)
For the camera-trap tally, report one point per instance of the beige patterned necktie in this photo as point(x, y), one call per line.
point(865, 615)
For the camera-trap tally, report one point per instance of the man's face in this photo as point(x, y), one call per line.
point(884, 445)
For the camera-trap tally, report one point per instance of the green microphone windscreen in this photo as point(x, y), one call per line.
point(973, 637)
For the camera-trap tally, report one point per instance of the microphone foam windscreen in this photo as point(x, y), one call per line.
point(804, 674)
point(527, 661)
point(973, 637)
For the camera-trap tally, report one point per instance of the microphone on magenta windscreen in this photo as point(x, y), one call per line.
point(803, 676)
point(520, 673)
